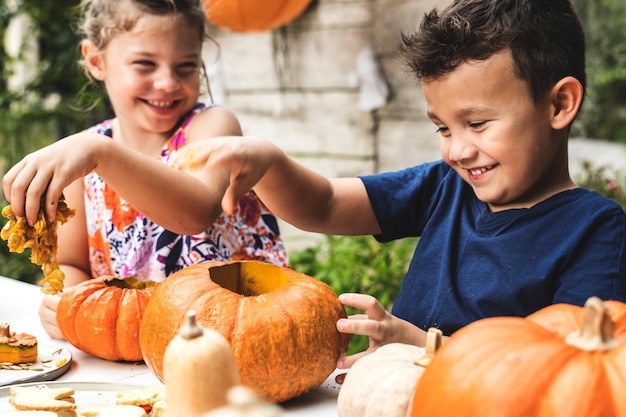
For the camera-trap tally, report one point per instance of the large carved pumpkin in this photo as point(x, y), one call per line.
point(253, 15)
point(564, 361)
point(281, 324)
point(102, 316)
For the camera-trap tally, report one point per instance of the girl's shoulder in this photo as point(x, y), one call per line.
point(179, 138)
point(103, 128)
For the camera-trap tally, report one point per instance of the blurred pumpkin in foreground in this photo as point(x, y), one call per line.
point(563, 360)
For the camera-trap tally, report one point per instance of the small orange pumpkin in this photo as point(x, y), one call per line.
point(102, 316)
point(563, 360)
point(281, 324)
point(253, 15)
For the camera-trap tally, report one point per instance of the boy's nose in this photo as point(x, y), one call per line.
point(460, 148)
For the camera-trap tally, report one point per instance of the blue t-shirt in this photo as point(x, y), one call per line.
point(471, 263)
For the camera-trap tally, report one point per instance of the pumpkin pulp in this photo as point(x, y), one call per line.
point(248, 279)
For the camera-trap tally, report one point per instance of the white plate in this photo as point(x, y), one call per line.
point(54, 360)
point(86, 394)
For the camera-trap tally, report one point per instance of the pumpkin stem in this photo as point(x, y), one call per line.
point(596, 330)
point(5, 334)
point(190, 328)
point(433, 343)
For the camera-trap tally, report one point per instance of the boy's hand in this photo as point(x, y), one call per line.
point(247, 158)
point(380, 326)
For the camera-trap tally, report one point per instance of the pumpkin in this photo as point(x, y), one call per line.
point(253, 15)
point(382, 383)
point(281, 324)
point(242, 401)
point(102, 316)
point(17, 347)
point(198, 369)
point(563, 360)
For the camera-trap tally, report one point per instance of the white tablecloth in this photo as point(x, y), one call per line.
point(19, 305)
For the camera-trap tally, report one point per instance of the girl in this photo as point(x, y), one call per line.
point(135, 213)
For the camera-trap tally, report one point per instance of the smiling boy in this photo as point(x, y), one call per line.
point(504, 229)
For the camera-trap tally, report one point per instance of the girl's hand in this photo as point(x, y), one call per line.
point(380, 326)
point(39, 178)
point(48, 315)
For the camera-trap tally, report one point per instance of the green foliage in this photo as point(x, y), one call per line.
point(358, 264)
point(55, 102)
point(603, 115)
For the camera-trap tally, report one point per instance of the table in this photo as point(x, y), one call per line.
point(19, 305)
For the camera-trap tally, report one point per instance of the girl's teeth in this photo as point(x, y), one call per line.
point(161, 104)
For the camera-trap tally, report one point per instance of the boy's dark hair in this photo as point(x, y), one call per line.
point(545, 37)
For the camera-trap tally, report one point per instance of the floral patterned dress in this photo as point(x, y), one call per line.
point(124, 242)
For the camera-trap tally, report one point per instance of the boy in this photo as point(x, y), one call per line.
point(504, 229)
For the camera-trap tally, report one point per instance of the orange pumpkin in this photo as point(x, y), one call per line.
point(253, 15)
point(102, 316)
point(563, 360)
point(281, 324)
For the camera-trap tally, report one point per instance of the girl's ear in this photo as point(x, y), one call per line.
point(93, 59)
point(566, 97)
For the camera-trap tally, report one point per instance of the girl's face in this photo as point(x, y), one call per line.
point(151, 73)
point(494, 136)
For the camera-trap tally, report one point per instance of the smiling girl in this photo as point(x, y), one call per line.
point(135, 213)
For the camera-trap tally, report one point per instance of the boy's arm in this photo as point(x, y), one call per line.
point(290, 190)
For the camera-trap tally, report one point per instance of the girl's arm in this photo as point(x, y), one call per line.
point(182, 203)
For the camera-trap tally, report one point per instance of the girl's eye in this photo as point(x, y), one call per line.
point(441, 130)
point(477, 125)
point(144, 63)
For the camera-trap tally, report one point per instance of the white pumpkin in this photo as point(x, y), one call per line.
point(382, 383)
point(244, 402)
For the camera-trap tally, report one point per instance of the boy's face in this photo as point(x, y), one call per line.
point(495, 137)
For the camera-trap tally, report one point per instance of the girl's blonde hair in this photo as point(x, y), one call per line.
point(104, 19)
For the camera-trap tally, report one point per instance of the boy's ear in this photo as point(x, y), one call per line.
point(566, 97)
point(92, 59)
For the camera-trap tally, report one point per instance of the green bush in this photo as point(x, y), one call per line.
point(358, 264)
point(606, 181)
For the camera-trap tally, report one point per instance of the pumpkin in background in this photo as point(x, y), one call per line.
point(281, 324)
point(382, 383)
point(563, 360)
point(253, 15)
point(102, 316)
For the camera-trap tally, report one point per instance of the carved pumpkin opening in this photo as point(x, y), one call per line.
point(248, 278)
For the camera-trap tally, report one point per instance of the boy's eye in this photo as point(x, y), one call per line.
point(477, 125)
point(441, 130)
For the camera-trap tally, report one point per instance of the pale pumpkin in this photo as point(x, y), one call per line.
point(198, 368)
point(281, 324)
point(102, 316)
point(242, 401)
point(253, 15)
point(564, 361)
point(382, 383)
